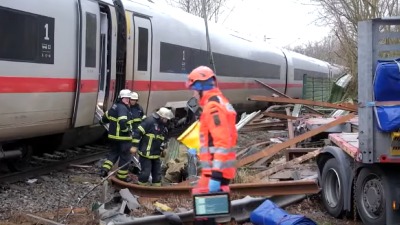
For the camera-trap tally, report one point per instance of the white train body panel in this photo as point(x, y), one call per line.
point(49, 94)
point(36, 98)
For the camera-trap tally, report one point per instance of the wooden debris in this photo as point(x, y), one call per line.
point(283, 95)
point(246, 149)
point(279, 116)
point(279, 167)
point(290, 127)
point(264, 126)
point(80, 166)
point(344, 106)
point(43, 220)
point(291, 153)
point(270, 151)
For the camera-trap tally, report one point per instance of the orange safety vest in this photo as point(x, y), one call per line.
point(218, 136)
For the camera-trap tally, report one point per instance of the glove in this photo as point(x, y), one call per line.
point(214, 185)
point(192, 151)
point(133, 150)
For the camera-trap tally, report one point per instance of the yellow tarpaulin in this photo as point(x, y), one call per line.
point(191, 136)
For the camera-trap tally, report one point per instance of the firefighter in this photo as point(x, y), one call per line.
point(136, 110)
point(148, 141)
point(120, 135)
point(218, 134)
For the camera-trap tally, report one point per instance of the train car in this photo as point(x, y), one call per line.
point(61, 59)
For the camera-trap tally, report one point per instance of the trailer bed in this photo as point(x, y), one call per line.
point(346, 141)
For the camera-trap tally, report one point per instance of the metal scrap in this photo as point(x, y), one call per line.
point(240, 211)
point(270, 151)
point(246, 119)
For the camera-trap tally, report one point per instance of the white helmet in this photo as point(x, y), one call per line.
point(134, 96)
point(165, 113)
point(124, 93)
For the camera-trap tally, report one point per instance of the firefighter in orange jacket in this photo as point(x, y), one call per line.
point(218, 134)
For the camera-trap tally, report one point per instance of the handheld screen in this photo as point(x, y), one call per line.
point(211, 205)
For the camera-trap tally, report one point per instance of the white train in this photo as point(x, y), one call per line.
point(59, 59)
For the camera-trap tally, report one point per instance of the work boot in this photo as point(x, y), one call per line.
point(127, 179)
point(103, 173)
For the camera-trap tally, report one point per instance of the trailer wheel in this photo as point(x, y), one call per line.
point(332, 188)
point(370, 197)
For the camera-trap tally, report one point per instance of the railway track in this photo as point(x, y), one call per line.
point(309, 186)
point(39, 165)
point(240, 212)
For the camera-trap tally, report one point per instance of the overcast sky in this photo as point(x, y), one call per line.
point(284, 22)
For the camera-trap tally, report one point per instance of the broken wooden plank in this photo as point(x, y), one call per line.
point(264, 126)
point(291, 153)
point(43, 220)
point(344, 106)
point(244, 150)
point(279, 116)
point(284, 95)
point(290, 127)
point(270, 151)
point(79, 166)
point(295, 161)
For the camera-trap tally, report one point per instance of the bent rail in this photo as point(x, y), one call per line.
point(252, 189)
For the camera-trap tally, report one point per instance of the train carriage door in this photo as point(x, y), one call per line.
point(88, 63)
point(103, 59)
point(142, 65)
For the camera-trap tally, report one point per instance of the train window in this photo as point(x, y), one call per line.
point(91, 32)
point(26, 37)
point(143, 48)
point(180, 59)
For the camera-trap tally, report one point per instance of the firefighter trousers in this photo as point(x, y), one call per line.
point(150, 166)
point(121, 150)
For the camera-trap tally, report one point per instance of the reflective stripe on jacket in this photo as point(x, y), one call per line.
point(149, 136)
point(137, 116)
point(218, 136)
point(118, 116)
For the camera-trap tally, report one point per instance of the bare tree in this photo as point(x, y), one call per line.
point(213, 7)
point(344, 16)
point(326, 50)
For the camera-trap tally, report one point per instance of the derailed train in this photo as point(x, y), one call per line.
point(61, 59)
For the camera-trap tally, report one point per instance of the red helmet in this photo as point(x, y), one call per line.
point(201, 73)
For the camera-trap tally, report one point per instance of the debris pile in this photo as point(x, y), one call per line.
point(274, 155)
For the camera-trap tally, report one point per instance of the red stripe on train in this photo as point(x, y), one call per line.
point(44, 85)
point(177, 86)
point(52, 85)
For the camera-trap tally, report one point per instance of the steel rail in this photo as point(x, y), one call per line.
point(240, 211)
point(62, 164)
point(253, 189)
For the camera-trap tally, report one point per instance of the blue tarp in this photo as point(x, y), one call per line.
point(268, 213)
point(387, 88)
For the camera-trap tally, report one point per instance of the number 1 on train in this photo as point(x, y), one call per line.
point(47, 32)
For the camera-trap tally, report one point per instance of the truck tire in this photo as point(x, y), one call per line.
point(370, 196)
point(332, 188)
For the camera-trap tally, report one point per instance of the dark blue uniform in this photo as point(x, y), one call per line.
point(120, 134)
point(137, 116)
point(149, 138)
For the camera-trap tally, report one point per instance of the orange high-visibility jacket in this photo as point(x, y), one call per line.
point(218, 136)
